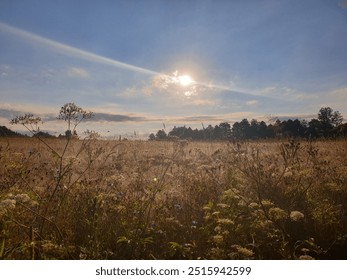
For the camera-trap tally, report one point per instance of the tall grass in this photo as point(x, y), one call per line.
point(95, 199)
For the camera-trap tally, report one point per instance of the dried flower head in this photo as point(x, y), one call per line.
point(296, 216)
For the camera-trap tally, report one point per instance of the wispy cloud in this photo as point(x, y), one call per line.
point(78, 72)
point(340, 93)
point(252, 102)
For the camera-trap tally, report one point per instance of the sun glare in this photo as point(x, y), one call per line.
point(185, 80)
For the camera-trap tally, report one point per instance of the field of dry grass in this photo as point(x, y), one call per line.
point(95, 199)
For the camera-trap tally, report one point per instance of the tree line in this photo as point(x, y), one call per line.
point(327, 124)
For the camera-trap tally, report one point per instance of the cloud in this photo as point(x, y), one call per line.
point(278, 91)
point(78, 72)
point(9, 114)
point(340, 93)
point(9, 110)
point(252, 102)
point(117, 118)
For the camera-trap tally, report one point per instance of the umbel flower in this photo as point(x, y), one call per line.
point(296, 216)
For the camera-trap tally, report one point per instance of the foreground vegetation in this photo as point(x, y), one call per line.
point(94, 199)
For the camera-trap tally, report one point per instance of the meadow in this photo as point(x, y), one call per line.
point(98, 199)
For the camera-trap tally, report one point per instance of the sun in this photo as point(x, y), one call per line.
point(185, 80)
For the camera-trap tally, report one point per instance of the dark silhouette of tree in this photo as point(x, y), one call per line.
point(209, 132)
point(328, 124)
point(151, 137)
point(241, 130)
point(328, 117)
point(265, 131)
point(314, 129)
point(254, 129)
point(292, 128)
point(161, 135)
point(225, 130)
point(6, 132)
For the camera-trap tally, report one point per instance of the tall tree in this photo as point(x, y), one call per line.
point(328, 119)
point(241, 129)
point(327, 116)
point(225, 130)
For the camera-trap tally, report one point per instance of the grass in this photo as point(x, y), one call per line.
point(95, 199)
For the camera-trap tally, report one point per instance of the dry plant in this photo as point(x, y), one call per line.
point(96, 199)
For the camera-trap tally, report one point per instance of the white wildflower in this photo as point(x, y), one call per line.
point(296, 216)
point(253, 205)
point(245, 252)
point(218, 239)
point(277, 214)
point(225, 221)
point(8, 204)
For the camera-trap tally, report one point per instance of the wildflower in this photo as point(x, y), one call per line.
point(267, 203)
point(8, 204)
point(253, 205)
point(245, 252)
point(217, 229)
point(296, 216)
point(155, 180)
point(277, 214)
point(225, 221)
point(218, 239)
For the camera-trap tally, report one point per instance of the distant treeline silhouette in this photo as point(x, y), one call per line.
point(6, 132)
point(328, 124)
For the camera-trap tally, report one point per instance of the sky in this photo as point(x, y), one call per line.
point(142, 65)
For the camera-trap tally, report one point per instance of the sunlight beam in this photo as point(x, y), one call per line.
point(72, 51)
point(65, 49)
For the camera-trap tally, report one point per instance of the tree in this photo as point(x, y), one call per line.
point(71, 113)
point(241, 129)
point(151, 137)
point(326, 115)
point(337, 118)
point(328, 119)
point(254, 129)
point(225, 130)
point(161, 135)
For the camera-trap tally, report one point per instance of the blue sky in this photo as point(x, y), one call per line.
point(125, 61)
